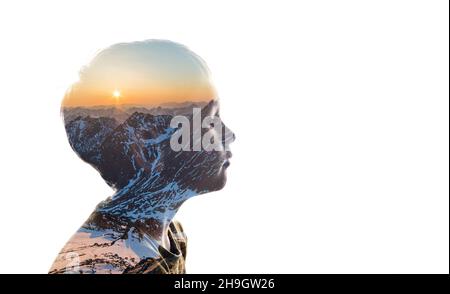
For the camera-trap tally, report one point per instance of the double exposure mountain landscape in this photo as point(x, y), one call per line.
point(119, 118)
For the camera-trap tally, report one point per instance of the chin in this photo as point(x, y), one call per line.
point(221, 182)
point(215, 183)
point(221, 178)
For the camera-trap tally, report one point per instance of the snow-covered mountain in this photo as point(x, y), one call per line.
point(134, 157)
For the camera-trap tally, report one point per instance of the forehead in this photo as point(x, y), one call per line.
point(212, 108)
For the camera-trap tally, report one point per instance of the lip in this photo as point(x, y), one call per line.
point(226, 164)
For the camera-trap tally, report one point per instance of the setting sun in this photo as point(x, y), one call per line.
point(116, 94)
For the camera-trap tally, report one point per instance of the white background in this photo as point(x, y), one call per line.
point(340, 110)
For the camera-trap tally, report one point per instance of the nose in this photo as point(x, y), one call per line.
point(228, 138)
point(233, 137)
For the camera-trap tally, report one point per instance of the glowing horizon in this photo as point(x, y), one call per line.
point(142, 73)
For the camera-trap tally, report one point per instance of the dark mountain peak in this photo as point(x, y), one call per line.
point(138, 118)
point(86, 134)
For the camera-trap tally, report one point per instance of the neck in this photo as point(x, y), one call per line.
point(148, 213)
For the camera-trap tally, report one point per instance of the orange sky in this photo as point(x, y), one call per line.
point(144, 73)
